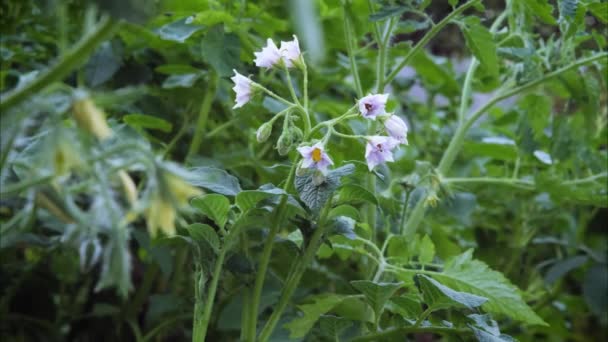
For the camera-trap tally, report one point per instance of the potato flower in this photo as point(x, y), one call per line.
point(372, 105)
point(315, 157)
point(379, 150)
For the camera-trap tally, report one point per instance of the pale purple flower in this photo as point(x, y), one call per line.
point(269, 56)
point(315, 157)
point(242, 88)
point(290, 51)
point(396, 128)
point(371, 106)
point(379, 149)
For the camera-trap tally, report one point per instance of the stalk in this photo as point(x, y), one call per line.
point(201, 323)
point(203, 115)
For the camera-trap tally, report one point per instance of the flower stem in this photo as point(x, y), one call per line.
point(71, 60)
point(203, 115)
point(350, 40)
point(292, 91)
point(426, 38)
point(294, 279)
point(266, 253)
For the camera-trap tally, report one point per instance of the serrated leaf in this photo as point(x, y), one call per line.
point(408, 306)
point(148, 122)
point(221, 50)
point(213, 179)
point(214, 206)
point(540, 9)
point(481, 43)
point(300, 326)
point(376, 294)
point(599, 10)
point(316, 195)
point(567, 9)
point(352, 193)
point(427, 250)
point(462, 273)
point(205, 235)
point(438, 296)
point(486, 329)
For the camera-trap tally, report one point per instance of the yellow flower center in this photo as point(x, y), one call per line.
point(316, 155)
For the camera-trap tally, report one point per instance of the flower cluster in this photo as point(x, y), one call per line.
point(378, 150)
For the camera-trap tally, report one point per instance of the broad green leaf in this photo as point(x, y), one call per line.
point(495, 147)
point(595, 289)
point(351, 193)
point(538, 8)
point(438, 296)
point(486, 329)
point(462, 273)
point(599, 10)
point(212, 17)
point(106, 61)
point(300, 326)
point(408, 306)
point(214, 206)
point(204, 234)
point(148, 122)
point(376, 294)
point(216, 180)
point(563, 267)
point(221, 50)
point(345, 210)
point(179, 30)
point(427, 250)
point(481, 43)
point(315, 195)
point(345, 226)
point(333, 326)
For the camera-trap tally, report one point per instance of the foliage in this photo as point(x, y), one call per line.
point(418, 170)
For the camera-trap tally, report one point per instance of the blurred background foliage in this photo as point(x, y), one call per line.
point(163, 81)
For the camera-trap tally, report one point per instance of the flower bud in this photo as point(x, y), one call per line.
point(284, 143)
point(263, 132)
point(396, 128)
point(296, 135)
point(91, 118)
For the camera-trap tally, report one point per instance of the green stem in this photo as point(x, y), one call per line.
point(203, 115)
point(350, 39)
point(457, 140)
point(292, 91)
point(15, 188)
point(293, 281)
point(143, 290)
point(516, 183)
point(423, 316)
point(201, 325)
point(272, 94)
point(426, 38)
point(164, 325)
point(397, 333)
point(267, 252)
point(587, 180)
point(71, 60)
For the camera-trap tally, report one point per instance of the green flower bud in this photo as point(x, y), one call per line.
point(263, 132)
point(284, 143)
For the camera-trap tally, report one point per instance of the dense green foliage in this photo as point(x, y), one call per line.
point(138, 203)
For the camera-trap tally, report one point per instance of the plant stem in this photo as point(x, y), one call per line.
point(423, 316)
point(71, 60)
point(267, 252)
point(272, 94)
point(396, 333)
point(201, 325)
point(517, 183)
point(350, 39)
point(426, 38)
point(292, 91)
point(457, 140)
point(293, 281)
point(203, 115)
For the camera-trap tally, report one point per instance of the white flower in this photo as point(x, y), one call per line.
point(290, 52)
point(396, 128)
point(379, 150)
point(242, 88)
point(269, 56)
point(371, 106)
point(315, 157)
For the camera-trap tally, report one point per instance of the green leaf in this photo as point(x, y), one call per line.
point(351, 193)
point(599, 10)
point(213, 17)
point(427, 250)
point(540, 9)
point(300, 326)
point(315, 195)
point(179, 30)
point(181, 80)
point(345, 210)
point(204, 235)
point(567, 9)
point(462, 273)
point(213, 179)
point(221, 50)
point(148, 122)
point(481, 43)
point(177, 69)
point(408, 306)
point(438, 296)
point(333, 326)
point(499, 148)
point(595, 289)
point(214, 206)
point(387, 12)
point(376, 294)
point(486, 329)
point(563, 267)
point(345, 226)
